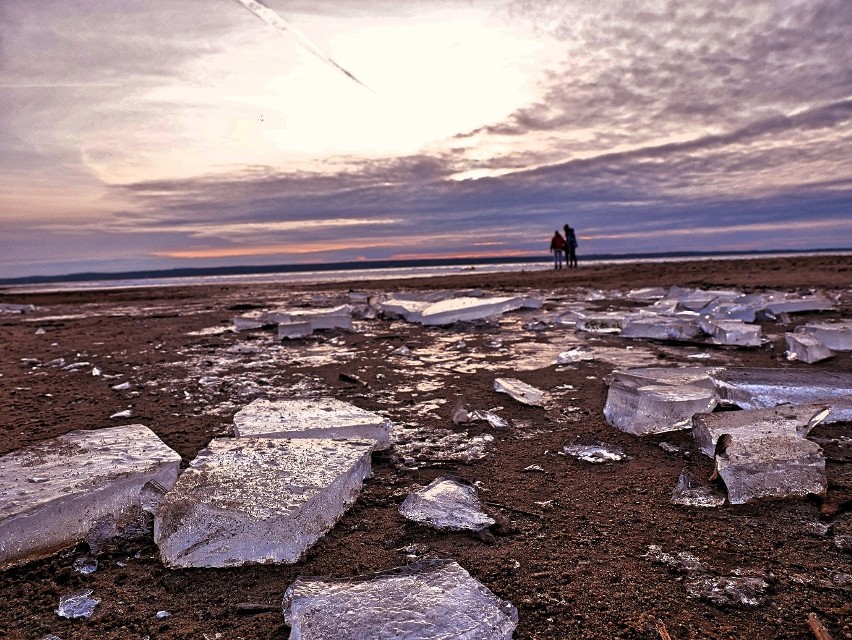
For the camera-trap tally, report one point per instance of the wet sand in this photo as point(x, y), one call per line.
point(570, 551)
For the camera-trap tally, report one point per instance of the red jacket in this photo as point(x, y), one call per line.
point(557, 243)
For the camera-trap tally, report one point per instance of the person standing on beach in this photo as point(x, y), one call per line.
point(570, 247)
point(557, 246)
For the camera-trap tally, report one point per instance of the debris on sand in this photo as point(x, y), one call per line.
point(427, 600)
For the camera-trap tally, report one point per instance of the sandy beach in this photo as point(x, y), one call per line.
point(571, 547)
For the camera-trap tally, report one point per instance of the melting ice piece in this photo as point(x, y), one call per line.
point(446, 503)
point(492, 418)
point(660, 328)
point(785, 420)
point(311, 418)
point(725, 310)
point(427, 600)
point(339, 317)
point(738, 591)
point(53, 492)
point(85, 564)
point(759, 388)
point(596, 453)
point(601, 323)
point(467, 309)
point(785, 303)
point(294, 330)
point(78, 604)
point(577, 354)
point(755, 467)
point(408, 309)
point(246, 500)
point(735, 333)
point(691, 492)
point(806, 348)
point(249, 321)
point(647, 293)
point(16, 308)
point(837, 336)
point(520, 391)
point(657, 400)
point(695, 299)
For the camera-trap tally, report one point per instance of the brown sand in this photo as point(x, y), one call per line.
point(569, 553)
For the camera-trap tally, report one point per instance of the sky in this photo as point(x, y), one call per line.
point(154, 134)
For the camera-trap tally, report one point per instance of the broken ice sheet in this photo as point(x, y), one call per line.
point(806, 348)
point(77, 604)
point(596, 453)
point(427, 600)
point(446, 503)
point(836, 336)
point(691, 492)
point(520, 391)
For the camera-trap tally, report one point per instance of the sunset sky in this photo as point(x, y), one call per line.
point(147, 134)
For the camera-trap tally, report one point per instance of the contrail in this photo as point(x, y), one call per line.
point(273, 19)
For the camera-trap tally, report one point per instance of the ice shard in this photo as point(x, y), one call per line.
point(660, 328)
point(756, 467)
point(837, 336)
point(258, 500)
point(520, 391)
point(785, 420)
point(806, 348)
point(596, 453)
point(249, 321)
point(53, 492)
point(446, 503)
point(311, 418)
point(466, 309)
point(427, 600)
point(735, 333)
point(761, 388)
point(656, 400)
point(691, 492)
point(339, 317)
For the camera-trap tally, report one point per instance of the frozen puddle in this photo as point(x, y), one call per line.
point(446, 503)
point(311, 418)
point(429, 600)
point(657, 400)
point(254, 500)
point(53, 492)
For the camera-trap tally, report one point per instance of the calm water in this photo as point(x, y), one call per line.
point(352, 275)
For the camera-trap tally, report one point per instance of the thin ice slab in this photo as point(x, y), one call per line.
point(428, 600)
point(446, 503)
point(837, 336)
point(761, 388)
point(734, 333)
point(467, 309)
point(640, 402)
point(53, 492)
point(311, 418)
point(661, 328)
point(786, 420)
point(339, 317)
point(258, 500)
point(520, 391)
point(786, 303)
point(770, 466)
point(806, 348)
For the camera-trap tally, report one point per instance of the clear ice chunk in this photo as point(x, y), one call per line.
point(787, 420)
point(735, 333)
point(491, 418)
point(258, 500)
point(785, 303)
point(726, 310)
point(466, 309)
point(602, 323)
point(657, 400)
point(311, 418)
point(646, 293)
point(756, 467)
point(410, 310)
point(85, 564)
point(339, 317)
point(596, 453)
point(691, 492)
point(806, 348)
point(837, 336)
point(446, 503)
point(427, 600)
point(249, 321)
point(294, 330)
point(53, 492)
point(520, 391)
point(660, 328)
point(761, 388)
point(78, 604)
